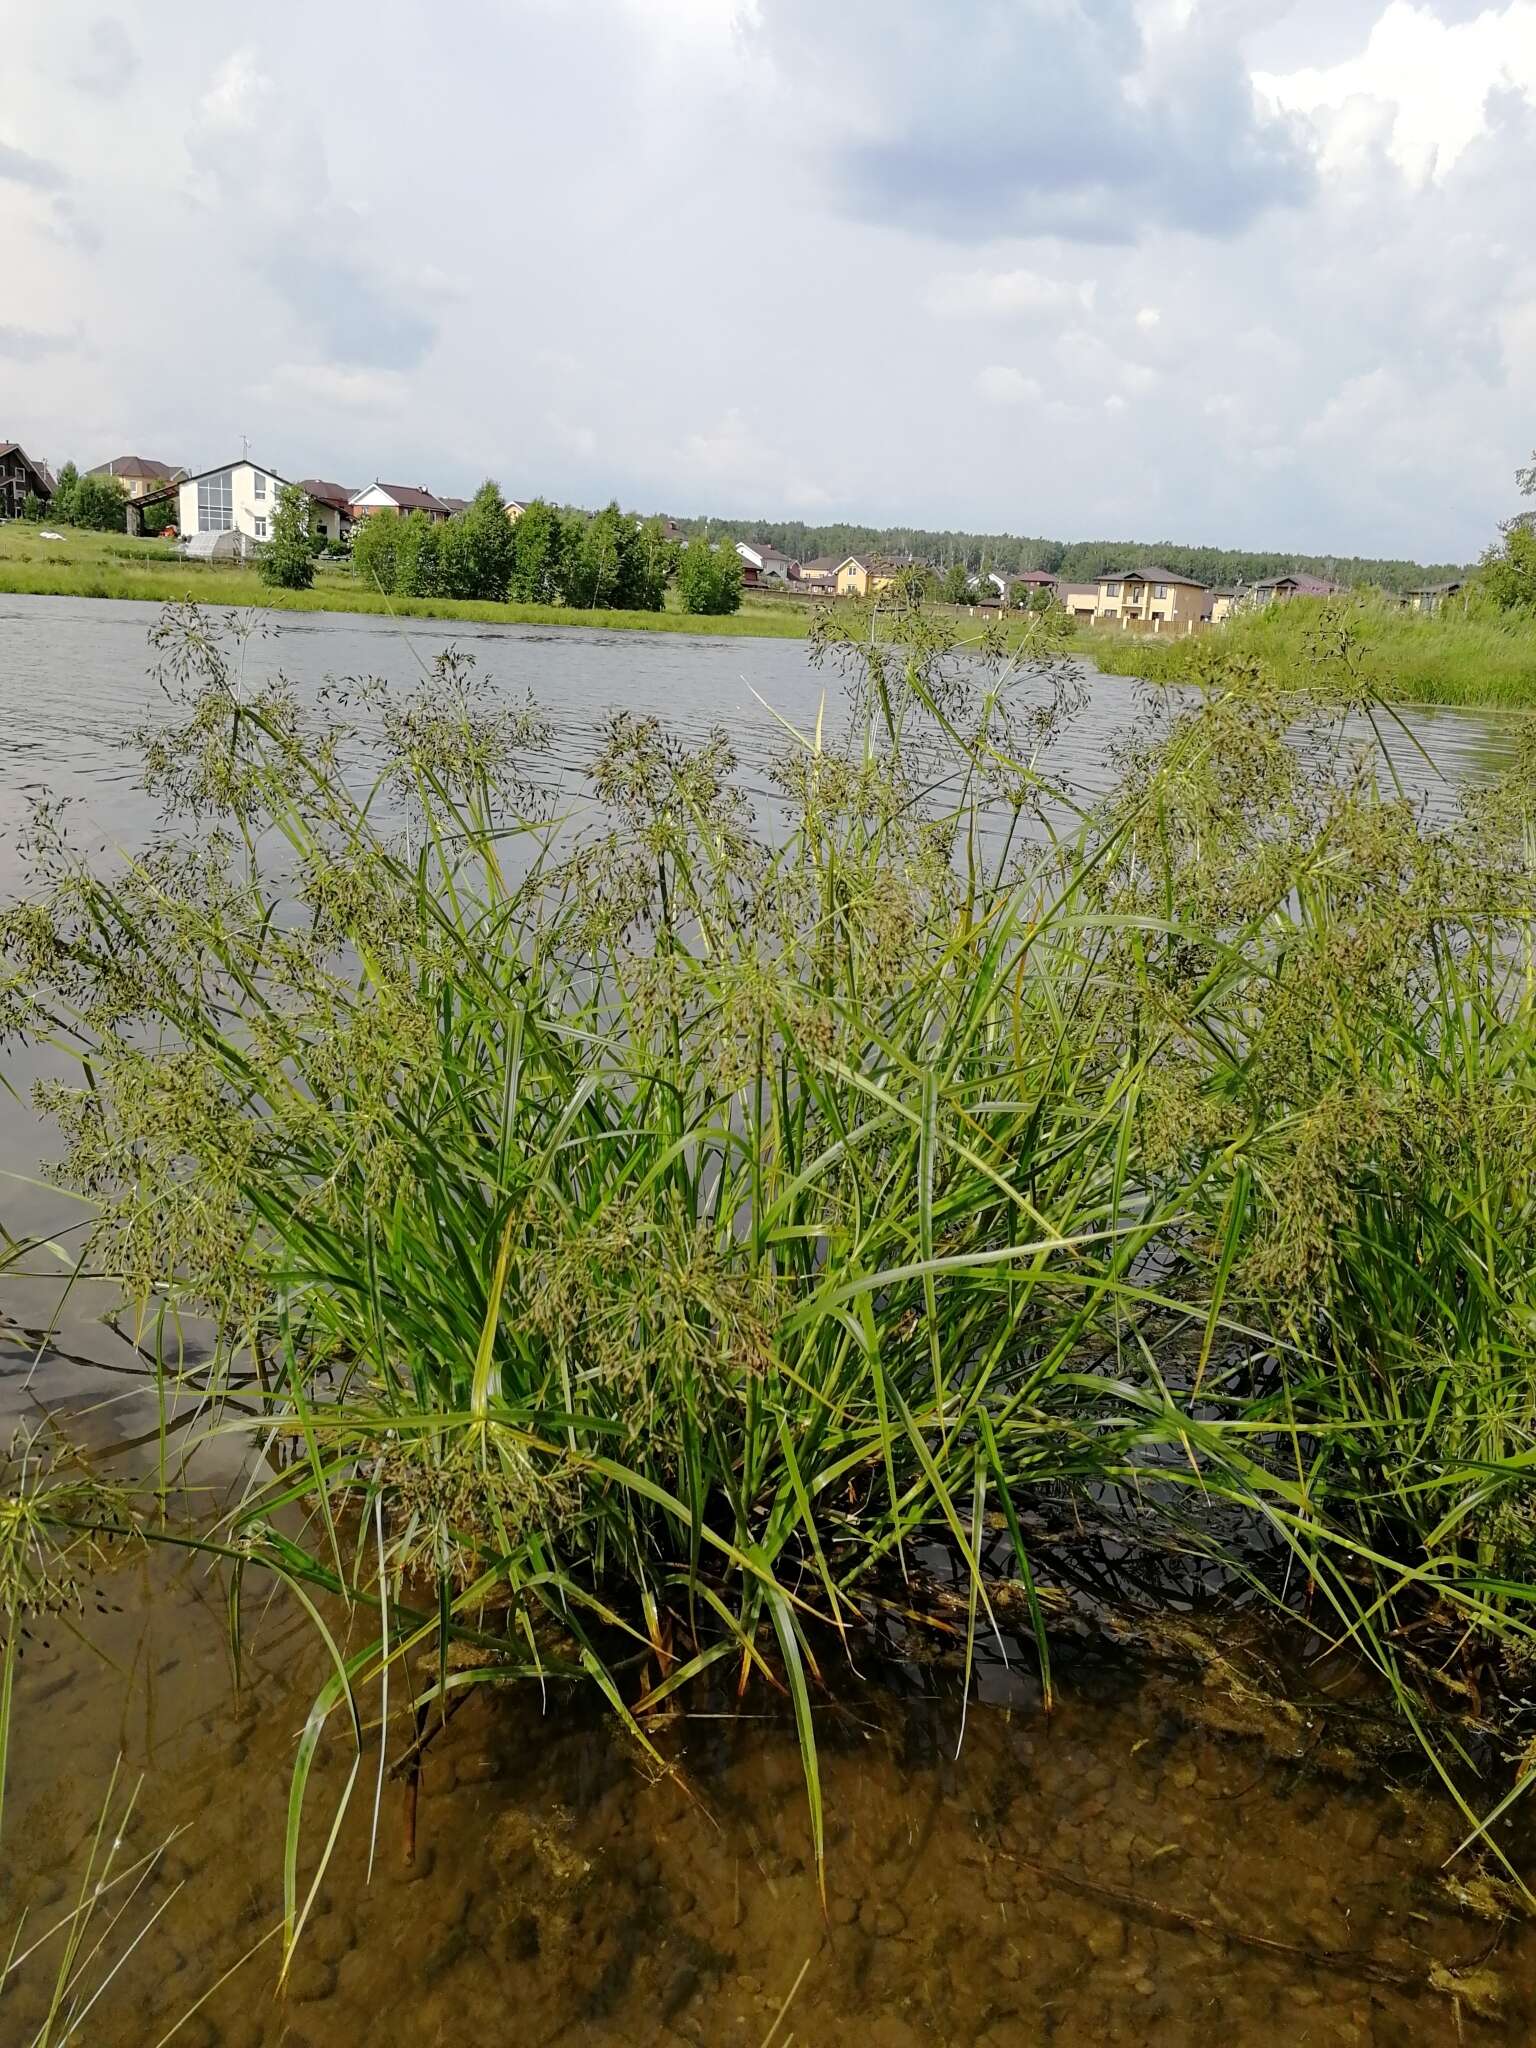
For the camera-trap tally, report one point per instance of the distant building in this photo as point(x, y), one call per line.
point(851, 577)
point(330, 508)
point(238, 499)
point(1429, 597)
point(1080, 599)
point(1281, 589)
point(1219, 604)
point(139, 475)
point(820, 574)
point(1150, 596)
point(401, 498)
point(20, 478)
point(768, 563)
point(516, 507)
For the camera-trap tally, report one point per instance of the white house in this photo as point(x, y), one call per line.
point(330, 508)
point(400, 498)
point(239, 498)
point(771, 563)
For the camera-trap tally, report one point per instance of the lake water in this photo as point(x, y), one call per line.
point(1162, 1862)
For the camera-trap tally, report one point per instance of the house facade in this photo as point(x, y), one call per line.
point(20, 478)
point(1281, 589)
point(330, 508)
point(140, 476)
point(1429, 597)
point(1080, 599)
point(400, 498)
point(236, 498)
point(1156, 598)
point(820, 575)
point(770, 564)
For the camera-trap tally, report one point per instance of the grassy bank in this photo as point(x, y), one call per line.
point(638, 1240)
point(1453, 657)
point(114, 566)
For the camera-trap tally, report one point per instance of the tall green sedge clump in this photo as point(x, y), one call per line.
point(647, 1226)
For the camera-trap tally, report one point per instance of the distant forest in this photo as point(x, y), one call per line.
point(1079, 561)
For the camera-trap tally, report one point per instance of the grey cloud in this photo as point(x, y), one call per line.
point(353, 314)
point(1047, 118)
point(108, 61)
point(18, 168)
point(27, 345)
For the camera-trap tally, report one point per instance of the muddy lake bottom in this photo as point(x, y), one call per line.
point(1136, 1869)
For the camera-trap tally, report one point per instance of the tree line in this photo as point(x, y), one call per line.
point(605, 561)
point(1076, 561)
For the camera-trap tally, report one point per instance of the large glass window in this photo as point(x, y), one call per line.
point(261, 485)
point(215, 503)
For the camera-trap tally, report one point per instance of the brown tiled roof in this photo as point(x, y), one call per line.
point(413, 497)
point(326, 493)
point(137, 465)
point(1150, 573)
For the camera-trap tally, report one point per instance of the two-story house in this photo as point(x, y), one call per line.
point(767, 563)
point(140, 476)
point(1153, 597)
point(20, 478)
point(330, 508)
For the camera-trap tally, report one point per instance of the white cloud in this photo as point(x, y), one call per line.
point(1420, 86)
point(1003, 385)
point(1008, 294)
point(335, 384)
point(1148, 318)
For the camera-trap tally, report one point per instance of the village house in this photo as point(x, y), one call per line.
point(1219, 604)
point(766, 563)
point(1281, 589)
point(237, 499)
point(401, 498)
point(1159, 598)
point(1429, 597)
point(820, 574)
point(20, 478)
point(330, 508)
point(515, 508)
point(140, 475)
point(1080, 599)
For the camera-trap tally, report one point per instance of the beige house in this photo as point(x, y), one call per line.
point(1219, 606)
point(516, 507)
point(1080, 599)
point(851, 577)
point(139, 475)
point(1429, 597)
point(1152, 597)
point(820, 574)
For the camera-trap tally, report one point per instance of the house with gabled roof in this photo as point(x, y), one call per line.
point(766, 563)
point(1151, 596)
point(237, 498)
point(141, 476)
point(21, 478)
point(400, 498)
point(330, 507)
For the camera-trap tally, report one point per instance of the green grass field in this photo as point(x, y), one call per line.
point(112, 565)
point(1456, 657)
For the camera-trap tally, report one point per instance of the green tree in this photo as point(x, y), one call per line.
point(709, 577)
point(289, 560)
point(375, 552)
point(418, 557)
point(956, 587)
point(33, 508)
point(538, 550)
point(476, 548)
point(63, 506)
point(1507, 578)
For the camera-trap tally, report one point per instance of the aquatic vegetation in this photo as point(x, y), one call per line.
point(1467, 653)
point(642, 1226)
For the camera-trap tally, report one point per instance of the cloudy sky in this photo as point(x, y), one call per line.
point(1209, 270)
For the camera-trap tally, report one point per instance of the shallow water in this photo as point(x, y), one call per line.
point(1143, 1867)
point(1160, 1862)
